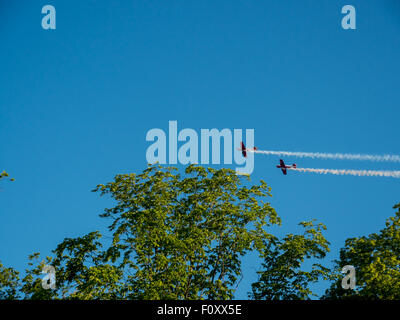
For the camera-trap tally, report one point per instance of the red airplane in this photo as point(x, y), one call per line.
point(244, 150)
point(283, 166)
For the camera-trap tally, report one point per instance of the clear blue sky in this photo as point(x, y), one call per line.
point(76, 104)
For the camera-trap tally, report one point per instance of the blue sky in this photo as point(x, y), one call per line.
point(76, 104)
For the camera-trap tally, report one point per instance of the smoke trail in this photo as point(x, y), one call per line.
point(337, 156)
point(368, 173)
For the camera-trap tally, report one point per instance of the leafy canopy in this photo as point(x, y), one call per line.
point(173, 236)
point(376, 259)
point(177, 236)
point(283, 276)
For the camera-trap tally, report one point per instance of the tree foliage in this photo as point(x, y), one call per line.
point(376, 259)
point(181, 237)
point(283, 276)
point(9, 283)
point(173, 236)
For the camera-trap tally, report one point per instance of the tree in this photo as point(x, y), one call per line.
point(173, 236)
point(283, 277)
point(376, 259)
point(177, 236)
point(81, 272)
point(182, 237)
point(9, 283)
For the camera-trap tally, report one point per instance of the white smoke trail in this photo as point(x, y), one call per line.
point(369, 173)
point(337, 156)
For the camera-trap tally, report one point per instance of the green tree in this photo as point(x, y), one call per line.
point(283, 276)
point(173, 236)
point(81, 272)
point(376, 259)
point(9, 283)
point(176, 236)
point(182, 237)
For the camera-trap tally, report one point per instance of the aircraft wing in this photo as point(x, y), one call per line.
point(282, 163)
point(284, 171)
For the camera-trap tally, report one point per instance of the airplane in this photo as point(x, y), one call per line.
point(244, 150)
point(283, 166)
